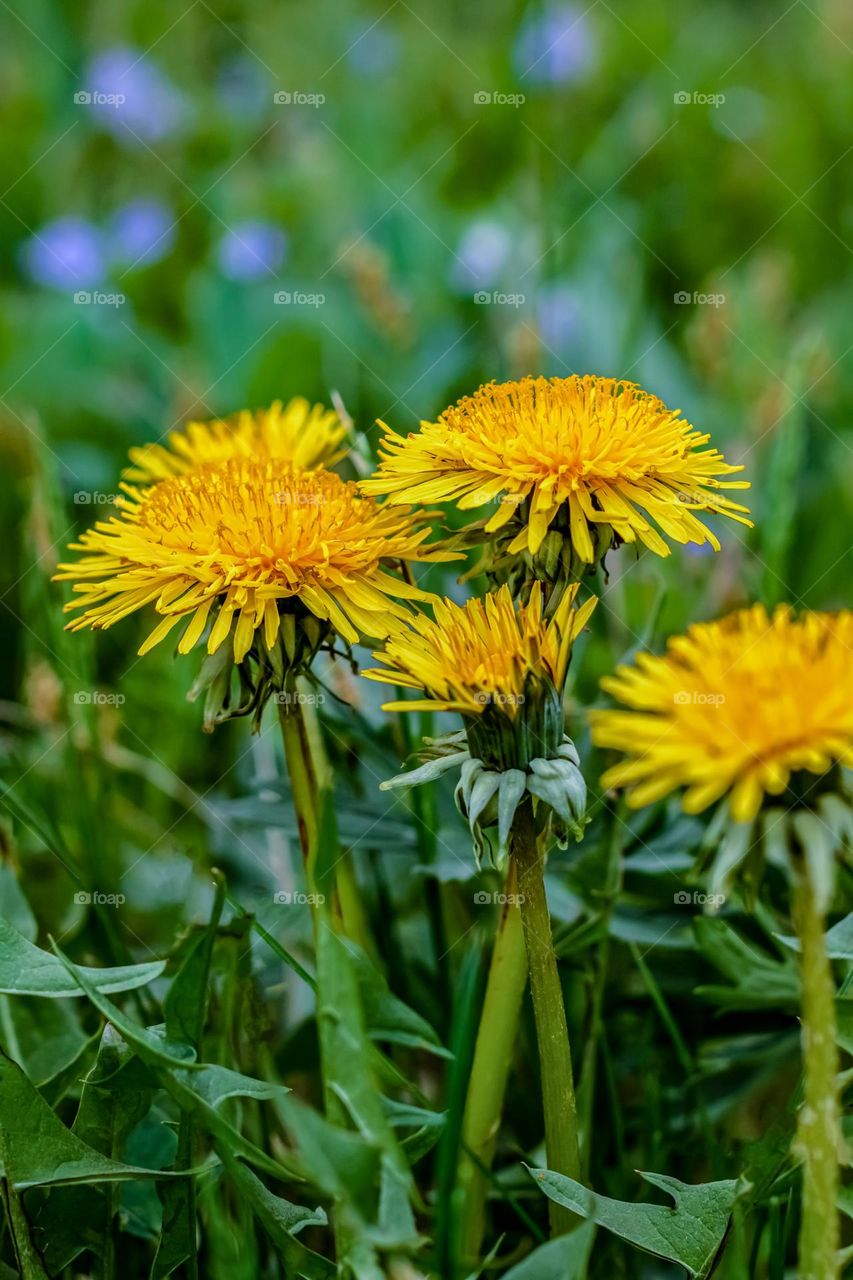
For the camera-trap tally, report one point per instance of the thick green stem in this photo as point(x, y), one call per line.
point(552, 1033)
point(491, 1066)
point(818, 1128)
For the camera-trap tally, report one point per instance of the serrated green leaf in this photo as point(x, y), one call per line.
point(116, 1094)
point(336, 1161)
point(37, 1150)
point(403, 1115)
point(282, 1220)
point(186, 1000)
point(757, 981)
point(177, 1076)
point(690, 1234)
point(386, 1016)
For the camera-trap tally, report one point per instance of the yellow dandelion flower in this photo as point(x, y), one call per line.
point(578, 453)
point(242, 542)
point(296, 432)
point(481, 653)
point(734, 707)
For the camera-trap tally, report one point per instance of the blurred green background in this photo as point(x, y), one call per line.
point(206, 207)
point(185, 167)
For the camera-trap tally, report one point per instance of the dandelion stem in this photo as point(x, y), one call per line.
point(552, 1033)
point(349, 900)
point(490, 1069)
point(303, 783)
point(818, 1128)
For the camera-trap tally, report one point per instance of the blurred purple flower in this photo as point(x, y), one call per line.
point(251, 249)
point(482, 253)
point(131, 95)
point(67, 253)
point(141, 232)
point(372, 49)
point(558, 314)
point(555, 47)
point(243, 88)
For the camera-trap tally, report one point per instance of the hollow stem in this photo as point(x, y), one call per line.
point(491, 1067)
point(552, 1033)
point(818, 1126)
point(303, 782)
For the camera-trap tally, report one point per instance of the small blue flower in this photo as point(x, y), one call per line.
point(482, 254)
point(67, 253)
point(251, 249)
point(131, 96)
point(555, 47)
point(141, 232)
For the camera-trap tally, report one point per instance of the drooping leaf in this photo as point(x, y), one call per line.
point(151, 1045)
point(27, 970)
point(282, 1221)
point(212, 1084)
point(689, 1234)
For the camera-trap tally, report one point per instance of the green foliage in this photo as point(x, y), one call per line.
point(565, 1258)
point(201, 1082)
point(26, 970)
point(690, 1234)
